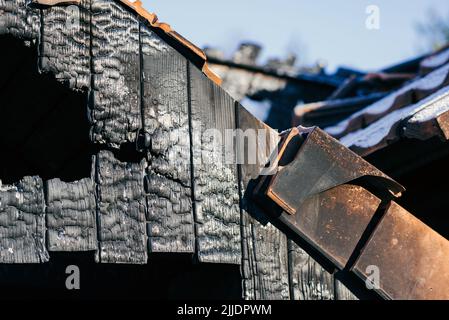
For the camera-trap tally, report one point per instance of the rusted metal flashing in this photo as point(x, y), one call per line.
point(410, 258)
point(334, 221)
point(321, 164)
point(324, 190)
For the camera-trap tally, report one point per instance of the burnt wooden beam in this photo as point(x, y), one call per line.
point(121, 210)
point(22, 222)
point(71, 215)
point(115, 66)
point(308, 80)
point(266, 276)
point(411, 258)
point(65, 44)
point(215, 182)
point(166, 122)
point(265, 261)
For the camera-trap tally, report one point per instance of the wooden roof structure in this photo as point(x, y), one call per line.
point(125, 102)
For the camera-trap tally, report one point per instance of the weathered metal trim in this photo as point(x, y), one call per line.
point(408, 257)
point(322, 163)
point(328, 211)
point(333, 222)
point(285, 146)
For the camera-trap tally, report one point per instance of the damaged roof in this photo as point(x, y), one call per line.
point(368, 122)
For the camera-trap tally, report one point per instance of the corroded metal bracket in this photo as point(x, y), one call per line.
point(328, 194)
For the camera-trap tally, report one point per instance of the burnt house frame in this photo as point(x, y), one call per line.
point(98, 146)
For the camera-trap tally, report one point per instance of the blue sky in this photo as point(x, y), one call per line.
point(329, 30)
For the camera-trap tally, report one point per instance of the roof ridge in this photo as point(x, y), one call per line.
point(153, 20)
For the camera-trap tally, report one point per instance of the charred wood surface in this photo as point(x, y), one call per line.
point(22, 222)
point(19, 20)
point(166, 121)
point(65, 47)
point(71, 215)
point(308, 279)
point(264, 247)
point(121, 210)
point(115, 109)
point(215, 182)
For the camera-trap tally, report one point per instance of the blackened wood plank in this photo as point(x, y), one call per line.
point(115, 110)
point(19, 20)
point(71, 209)
point(121, 210)
point(308, 279)
point(22, 222)
point(166, 120)
point(217, 213)
point(264, 247)
point(266, 275)
point(65, 50)
point(343, 293)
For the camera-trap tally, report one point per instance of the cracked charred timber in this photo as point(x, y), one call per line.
point(99, 137)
